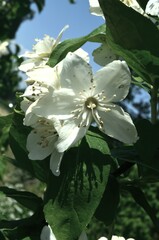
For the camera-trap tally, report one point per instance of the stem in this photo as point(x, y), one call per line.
point(154, 91)
point(111, 230)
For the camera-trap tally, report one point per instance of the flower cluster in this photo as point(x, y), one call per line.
point(61, 103)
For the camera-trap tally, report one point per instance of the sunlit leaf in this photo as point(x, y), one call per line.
point(79, 189)
point(98, 35)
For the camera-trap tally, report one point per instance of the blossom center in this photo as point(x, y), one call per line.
point(91, 103)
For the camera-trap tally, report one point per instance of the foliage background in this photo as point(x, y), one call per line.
point(131, 220)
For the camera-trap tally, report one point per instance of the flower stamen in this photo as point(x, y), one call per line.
point(91, 103)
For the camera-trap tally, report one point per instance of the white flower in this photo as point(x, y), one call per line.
point(104, 55)
point(41, 52)
point(41, 140)
point(40, 80)
point(83, 54)
point(95, 8)
point(84, 98)
point(41, 143)
point(102, 238)
point(47, 234)
point(133, 4)
point(115, 238)
point(152, 8)
point(3, 48)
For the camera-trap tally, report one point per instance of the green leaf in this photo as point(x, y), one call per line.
point(5, 123)
point(2, 237)
point(140, 199)
point(141, 83)
point(76, 195)
point(142, 3)
point(107, 209)
point(129, 34)
point(98, 35)
point(5, 120)
point(130, 29)
point(147, 148)
point(28, 227)
point(27, 199)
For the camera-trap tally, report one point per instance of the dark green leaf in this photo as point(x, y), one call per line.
point(19, 229)
point(27, 199)
point(130, 29)
point(148, 148)
point(107, 209)
point(142, 3)
point(5, 120)
point(2, 237)
point(79, 189)
point(140, 199)
point(98, 35)
point(5, 123)
point(13, 13)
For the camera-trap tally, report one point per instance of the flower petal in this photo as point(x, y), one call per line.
point(59, 105)
point(45, 75)
point(35, 91)
point(31, 63)
point(83, 54)
point(47, 234)
point(152, 8)
point(114, 80)
point(102, 238)
point(44, 47)
point(55, 161)
point(60, 35)
point(95, 8)
point(103, 55)
point(118, 124)
point(30, 117)
point(76, 73)
point(39, 145)
point(70, 134)
point(133, 4)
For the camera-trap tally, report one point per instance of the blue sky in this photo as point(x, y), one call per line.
point(54, 16)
